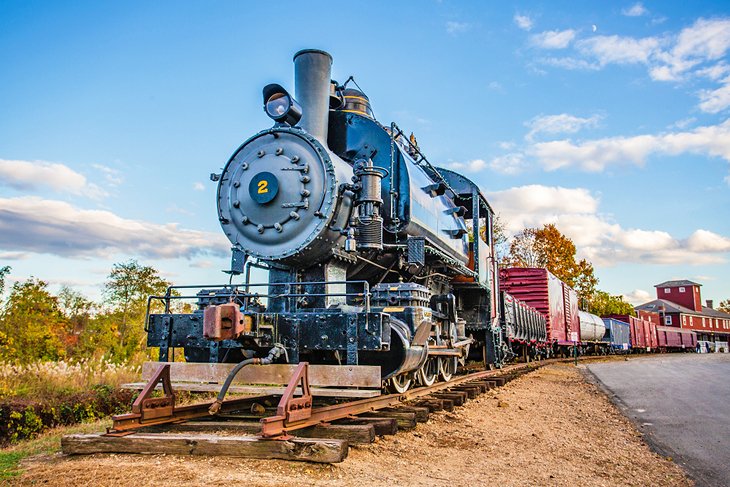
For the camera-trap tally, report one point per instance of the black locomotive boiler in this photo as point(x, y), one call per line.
point(374, 256)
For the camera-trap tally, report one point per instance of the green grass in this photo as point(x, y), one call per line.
point(45, 444)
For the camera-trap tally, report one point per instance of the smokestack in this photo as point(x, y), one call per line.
point(709, 303)
point(312, 73)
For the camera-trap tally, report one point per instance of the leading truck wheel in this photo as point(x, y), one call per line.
point(399, 384)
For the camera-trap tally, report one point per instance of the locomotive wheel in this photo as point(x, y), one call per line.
point(399, 384)
point(447, 367)
point(428, 374)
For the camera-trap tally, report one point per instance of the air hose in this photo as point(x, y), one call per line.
point(274, 354)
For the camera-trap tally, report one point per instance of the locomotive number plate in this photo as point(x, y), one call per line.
point(263, 187)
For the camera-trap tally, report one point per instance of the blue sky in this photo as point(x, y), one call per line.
point(610, 120)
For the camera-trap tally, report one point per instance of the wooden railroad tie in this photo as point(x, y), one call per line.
point(457, 398)
point(472, 391)
point(483, 384)
point(353, 433)
point(298, 449)
point(433, 404)
point(405, 420)
point(382, 426)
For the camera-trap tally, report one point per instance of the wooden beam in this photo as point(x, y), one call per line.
point(421, 412)
point(471, 392)
point(298, 449)
point(383, 426)
point(458, 398)
point(367, 376)
point(448, 404)
point(406, 421)
point(273, 390)
point(484, 384)
point(433, 404)
point(353, 433)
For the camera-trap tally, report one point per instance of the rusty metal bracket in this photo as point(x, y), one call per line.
point(291, 409)
point(156, 407)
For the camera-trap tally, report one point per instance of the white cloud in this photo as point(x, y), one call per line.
point(706, 241)
point(563, 123)
point(636, 10)
point(575, 212)
point(35, 175)
point(495, 86)
point(202, 264)
point(696, 52)
point(111, 176)
point(509, 164)
point(715, 101)
point(32, 224)
point(535, 205)
point(553, 39)
point(684, 123)
point(524, 22)
point(638, 296)
point(570, 63)
point(198, 186)
point(455, 28)
point(475, 165)
point(14, 255)
point(596, 155)
point(619, 50)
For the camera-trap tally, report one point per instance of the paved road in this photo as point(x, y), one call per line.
point(682, 404)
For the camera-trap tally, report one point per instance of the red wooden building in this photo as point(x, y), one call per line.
point(679, 303)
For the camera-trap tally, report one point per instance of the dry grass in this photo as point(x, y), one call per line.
point(52, 378)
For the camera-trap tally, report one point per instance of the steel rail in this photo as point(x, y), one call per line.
point(281, 425)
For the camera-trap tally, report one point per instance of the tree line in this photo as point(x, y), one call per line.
point(36, 324)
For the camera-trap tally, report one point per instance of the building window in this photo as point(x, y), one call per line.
point(667, 320)
point(666, 290)
point(681, 289)
point(703, 321)
point(684, 320)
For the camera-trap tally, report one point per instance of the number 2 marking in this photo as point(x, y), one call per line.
point(263, 187)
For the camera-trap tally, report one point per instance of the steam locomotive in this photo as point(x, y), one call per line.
point(374, 256)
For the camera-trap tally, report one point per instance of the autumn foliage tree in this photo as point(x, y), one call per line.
point(724, 306)
point(548, 248)
point(126, 291)
point(32, 323)
point(602, 303)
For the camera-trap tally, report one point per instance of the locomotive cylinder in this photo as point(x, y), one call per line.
point(312, 71)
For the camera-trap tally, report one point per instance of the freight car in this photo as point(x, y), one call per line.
point(673, 339)
point(555, 300)
point(642, 332)
point(524, 329)
point(618, 335)
point(593, 334)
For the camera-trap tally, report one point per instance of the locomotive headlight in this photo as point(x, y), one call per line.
point(280, 106)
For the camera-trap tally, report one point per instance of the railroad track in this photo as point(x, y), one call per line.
point(298, 429)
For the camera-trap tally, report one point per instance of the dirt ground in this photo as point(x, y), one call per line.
point(549, 427)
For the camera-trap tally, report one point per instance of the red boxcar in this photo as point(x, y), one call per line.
point(673, 338)
point(547, 294)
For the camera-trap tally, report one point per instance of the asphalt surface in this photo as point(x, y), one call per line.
point(681, 402)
